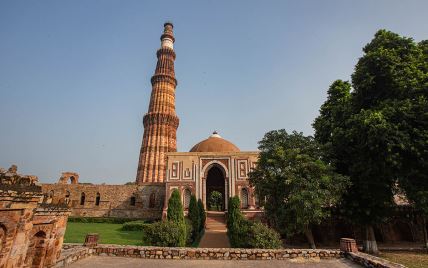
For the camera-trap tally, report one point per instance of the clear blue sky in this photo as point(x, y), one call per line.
point(75, 75)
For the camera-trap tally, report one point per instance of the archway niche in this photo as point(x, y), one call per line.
point(244, 198)
point(215, 181)
point(36, 251)
point(187, 194)
point(97, 199)
point(3, 235)
point(152, 200)
point(82, 199)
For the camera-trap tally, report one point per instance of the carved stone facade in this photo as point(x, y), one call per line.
point(31, 231)
point(161, 121)
point(200, 173)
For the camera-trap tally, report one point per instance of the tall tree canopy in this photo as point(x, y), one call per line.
point(298, 186)
point(377, 134)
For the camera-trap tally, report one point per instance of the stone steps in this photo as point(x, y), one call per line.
point(216, 221)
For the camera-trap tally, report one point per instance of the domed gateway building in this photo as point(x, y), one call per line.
point(214, 164)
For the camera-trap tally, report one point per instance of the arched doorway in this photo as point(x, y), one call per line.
point(215, 182)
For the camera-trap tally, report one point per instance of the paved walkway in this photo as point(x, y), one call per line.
point(121, 262)
point(215, 232)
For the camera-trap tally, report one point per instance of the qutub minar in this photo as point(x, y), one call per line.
point(213, 164)
point(161, 121)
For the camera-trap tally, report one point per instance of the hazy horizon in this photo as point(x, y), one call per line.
point(75, 75)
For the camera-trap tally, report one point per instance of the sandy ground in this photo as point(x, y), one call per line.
point(119, 262)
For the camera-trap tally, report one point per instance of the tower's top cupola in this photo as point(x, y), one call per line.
point(167, 38)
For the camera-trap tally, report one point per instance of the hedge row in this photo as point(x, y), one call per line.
point(101, 220)
point(246, 234)
point(135, 226)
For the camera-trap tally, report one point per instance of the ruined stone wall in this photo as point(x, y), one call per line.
point(121, 201)
point(31, 231)
point(16, 215)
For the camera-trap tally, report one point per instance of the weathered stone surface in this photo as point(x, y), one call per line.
point(113, 200)
point(206, 253)
point(31, 232)
point(370, 261)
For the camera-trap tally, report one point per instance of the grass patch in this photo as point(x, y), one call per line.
point(409, 259)
point(110, 233)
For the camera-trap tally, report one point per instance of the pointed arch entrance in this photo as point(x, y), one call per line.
point(215, 181)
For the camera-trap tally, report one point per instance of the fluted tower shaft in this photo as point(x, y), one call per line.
point(161, 121)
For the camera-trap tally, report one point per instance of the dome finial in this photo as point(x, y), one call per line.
point(215, 135)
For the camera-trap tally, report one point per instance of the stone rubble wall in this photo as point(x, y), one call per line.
point(370, 261)
point(115, 200)
point(213, 253)
point(74, 252)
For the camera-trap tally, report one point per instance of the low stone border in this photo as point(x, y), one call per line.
point(213, 253)
point(73, 254)
point(371, 261)
point(66, 246)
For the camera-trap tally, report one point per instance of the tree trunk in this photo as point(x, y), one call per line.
point(310, 237)
point(424, 228)
point(369, 242)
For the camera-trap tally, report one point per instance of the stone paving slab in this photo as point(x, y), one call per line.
point(121, 262)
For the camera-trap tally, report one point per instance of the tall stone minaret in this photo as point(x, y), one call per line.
point(161, 121)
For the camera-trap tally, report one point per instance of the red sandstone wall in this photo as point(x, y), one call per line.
point(115, 200)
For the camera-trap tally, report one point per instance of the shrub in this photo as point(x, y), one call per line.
point(234, 215)
point(202, 215)
point(237, 227)
point(175, 208)
point(135, 226)
point(190, 232)
point(175, 214)
point(261, 236)
point(164, 234)
point(246, 234)
point(194, 216)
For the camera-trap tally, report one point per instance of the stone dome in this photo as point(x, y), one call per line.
point(215, 143)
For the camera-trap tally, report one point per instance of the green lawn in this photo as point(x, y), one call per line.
point(409, 259)
point(109, 233)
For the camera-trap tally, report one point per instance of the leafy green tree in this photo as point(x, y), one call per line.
point(215, 200)
point(175, 214)
point(300, 188)
point(376, 134)
point(413, 128)
point(194, 216)
point(202, 214)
